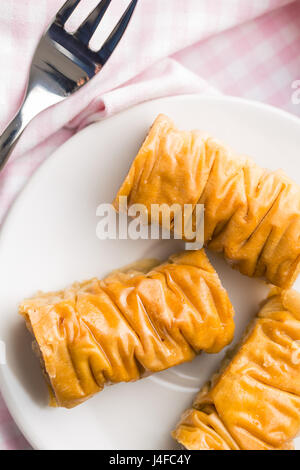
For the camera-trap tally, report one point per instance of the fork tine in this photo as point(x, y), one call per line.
point(112, 41)
point(89, 26)
point(66, 11)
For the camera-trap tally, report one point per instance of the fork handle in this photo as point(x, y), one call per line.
point(36, 99)
point(10, 137)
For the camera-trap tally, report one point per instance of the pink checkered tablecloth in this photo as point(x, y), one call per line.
point(248, 48)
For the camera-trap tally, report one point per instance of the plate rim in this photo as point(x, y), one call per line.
point(27, 431)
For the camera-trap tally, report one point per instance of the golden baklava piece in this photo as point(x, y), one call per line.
point(252, 215)
point(254, 402)
point(128, 325)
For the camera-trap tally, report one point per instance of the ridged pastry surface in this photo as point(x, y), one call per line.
point(254, 402)
point(128, 325)
point(252, 215)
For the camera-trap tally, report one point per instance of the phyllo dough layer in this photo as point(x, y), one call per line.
point(128, 325)
point(252, 215)
point(254, 402)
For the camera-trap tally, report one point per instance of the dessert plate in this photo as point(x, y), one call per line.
point(49, 240)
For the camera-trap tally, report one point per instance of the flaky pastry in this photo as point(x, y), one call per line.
point(128, 325)
point(252, 215)
point(254, 402)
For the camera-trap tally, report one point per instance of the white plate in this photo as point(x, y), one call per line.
point(49, 240)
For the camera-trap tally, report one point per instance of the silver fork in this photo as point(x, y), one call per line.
point(62, 64)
